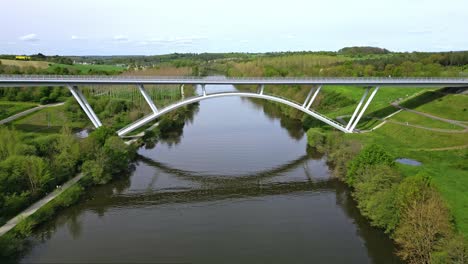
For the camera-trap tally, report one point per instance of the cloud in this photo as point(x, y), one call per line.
point(74, 37)
point(121, 38)
point(419, 31)
point(178, 41)
point(30, 37)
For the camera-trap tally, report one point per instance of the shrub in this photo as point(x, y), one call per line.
point(316, 138)
point(370, 155)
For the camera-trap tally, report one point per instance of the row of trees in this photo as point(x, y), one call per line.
point(409, 209)
point(41, 95)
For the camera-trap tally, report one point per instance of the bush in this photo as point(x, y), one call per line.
point(316, 138)
point(375, 190)
point(370, 155)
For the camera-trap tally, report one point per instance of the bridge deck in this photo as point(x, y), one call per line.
point(61, 80)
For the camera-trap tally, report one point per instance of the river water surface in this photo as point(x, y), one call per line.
point(239, 186)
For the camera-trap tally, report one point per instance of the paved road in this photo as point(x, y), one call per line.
point(27, 112)
point(37, 205)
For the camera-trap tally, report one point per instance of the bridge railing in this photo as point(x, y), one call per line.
point(175, 78)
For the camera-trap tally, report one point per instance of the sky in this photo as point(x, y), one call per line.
point(149, 27)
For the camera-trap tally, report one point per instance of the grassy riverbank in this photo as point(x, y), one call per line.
point(390, 195)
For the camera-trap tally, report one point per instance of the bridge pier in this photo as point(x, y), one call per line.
point(79, 97)
point(260, 89)
point(203, 89)
point(313, 97)
point(357, 108)
point(147, 98)
point(351, 129)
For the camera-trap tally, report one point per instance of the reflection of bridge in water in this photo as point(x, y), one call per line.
point(73, 81)
point(229, 180)
point(224, 186)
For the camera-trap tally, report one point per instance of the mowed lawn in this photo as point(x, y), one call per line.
point(8, 108)
point(420, 120)
point(452, 106)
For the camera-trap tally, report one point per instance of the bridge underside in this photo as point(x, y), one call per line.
point(305, 107)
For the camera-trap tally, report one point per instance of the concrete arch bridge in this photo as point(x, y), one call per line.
point(371, 85)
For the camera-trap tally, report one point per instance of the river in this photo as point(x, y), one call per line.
point(238, 186)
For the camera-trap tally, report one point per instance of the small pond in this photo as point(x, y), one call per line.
point(406, 161)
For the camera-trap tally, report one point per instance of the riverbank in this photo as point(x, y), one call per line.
point(12, 223)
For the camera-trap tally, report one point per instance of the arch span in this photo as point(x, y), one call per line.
point(188, 101)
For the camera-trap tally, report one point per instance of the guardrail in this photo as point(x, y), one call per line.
point(220, 78)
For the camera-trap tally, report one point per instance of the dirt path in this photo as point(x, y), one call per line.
point(442, 149)
point(27, 112)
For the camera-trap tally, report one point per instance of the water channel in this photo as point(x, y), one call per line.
point(238, 186)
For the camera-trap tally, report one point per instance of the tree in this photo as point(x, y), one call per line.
point(370, 155)
point(97, 169)
point(375, 190)
point(65, 161)
point(424, 224)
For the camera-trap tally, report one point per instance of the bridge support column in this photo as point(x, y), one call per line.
point(308, 97)
point(313, 97)
point(260, 88)
point(364, 109)
point(203, 89)
point(85, 105)
point(147, 98)
point(182, 92)
point(357, 108)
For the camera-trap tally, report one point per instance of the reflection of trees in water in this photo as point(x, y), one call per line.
point(172, 125)
point(274, 111)
point(377, 243)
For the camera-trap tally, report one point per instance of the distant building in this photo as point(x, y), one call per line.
point(26, 58)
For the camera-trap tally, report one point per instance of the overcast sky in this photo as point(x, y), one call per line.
point(118, 27)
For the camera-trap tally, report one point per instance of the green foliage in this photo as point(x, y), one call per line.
point(70, 196)
point(375, 190)
point(10, 144)
point(370, 155)
point(107, 160)
point(101, 134)
point(119, 155)
point(424, 226)
point(413, 189)
point(315, 137)
point(355, 51)
point(18, 173)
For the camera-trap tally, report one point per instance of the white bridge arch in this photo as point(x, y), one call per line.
point(147, 119)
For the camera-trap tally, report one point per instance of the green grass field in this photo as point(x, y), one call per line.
point(415, 119)
point(85, 69)
point(452, 106)
point(8, 108)
point(380, 106)
point(48, 120)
